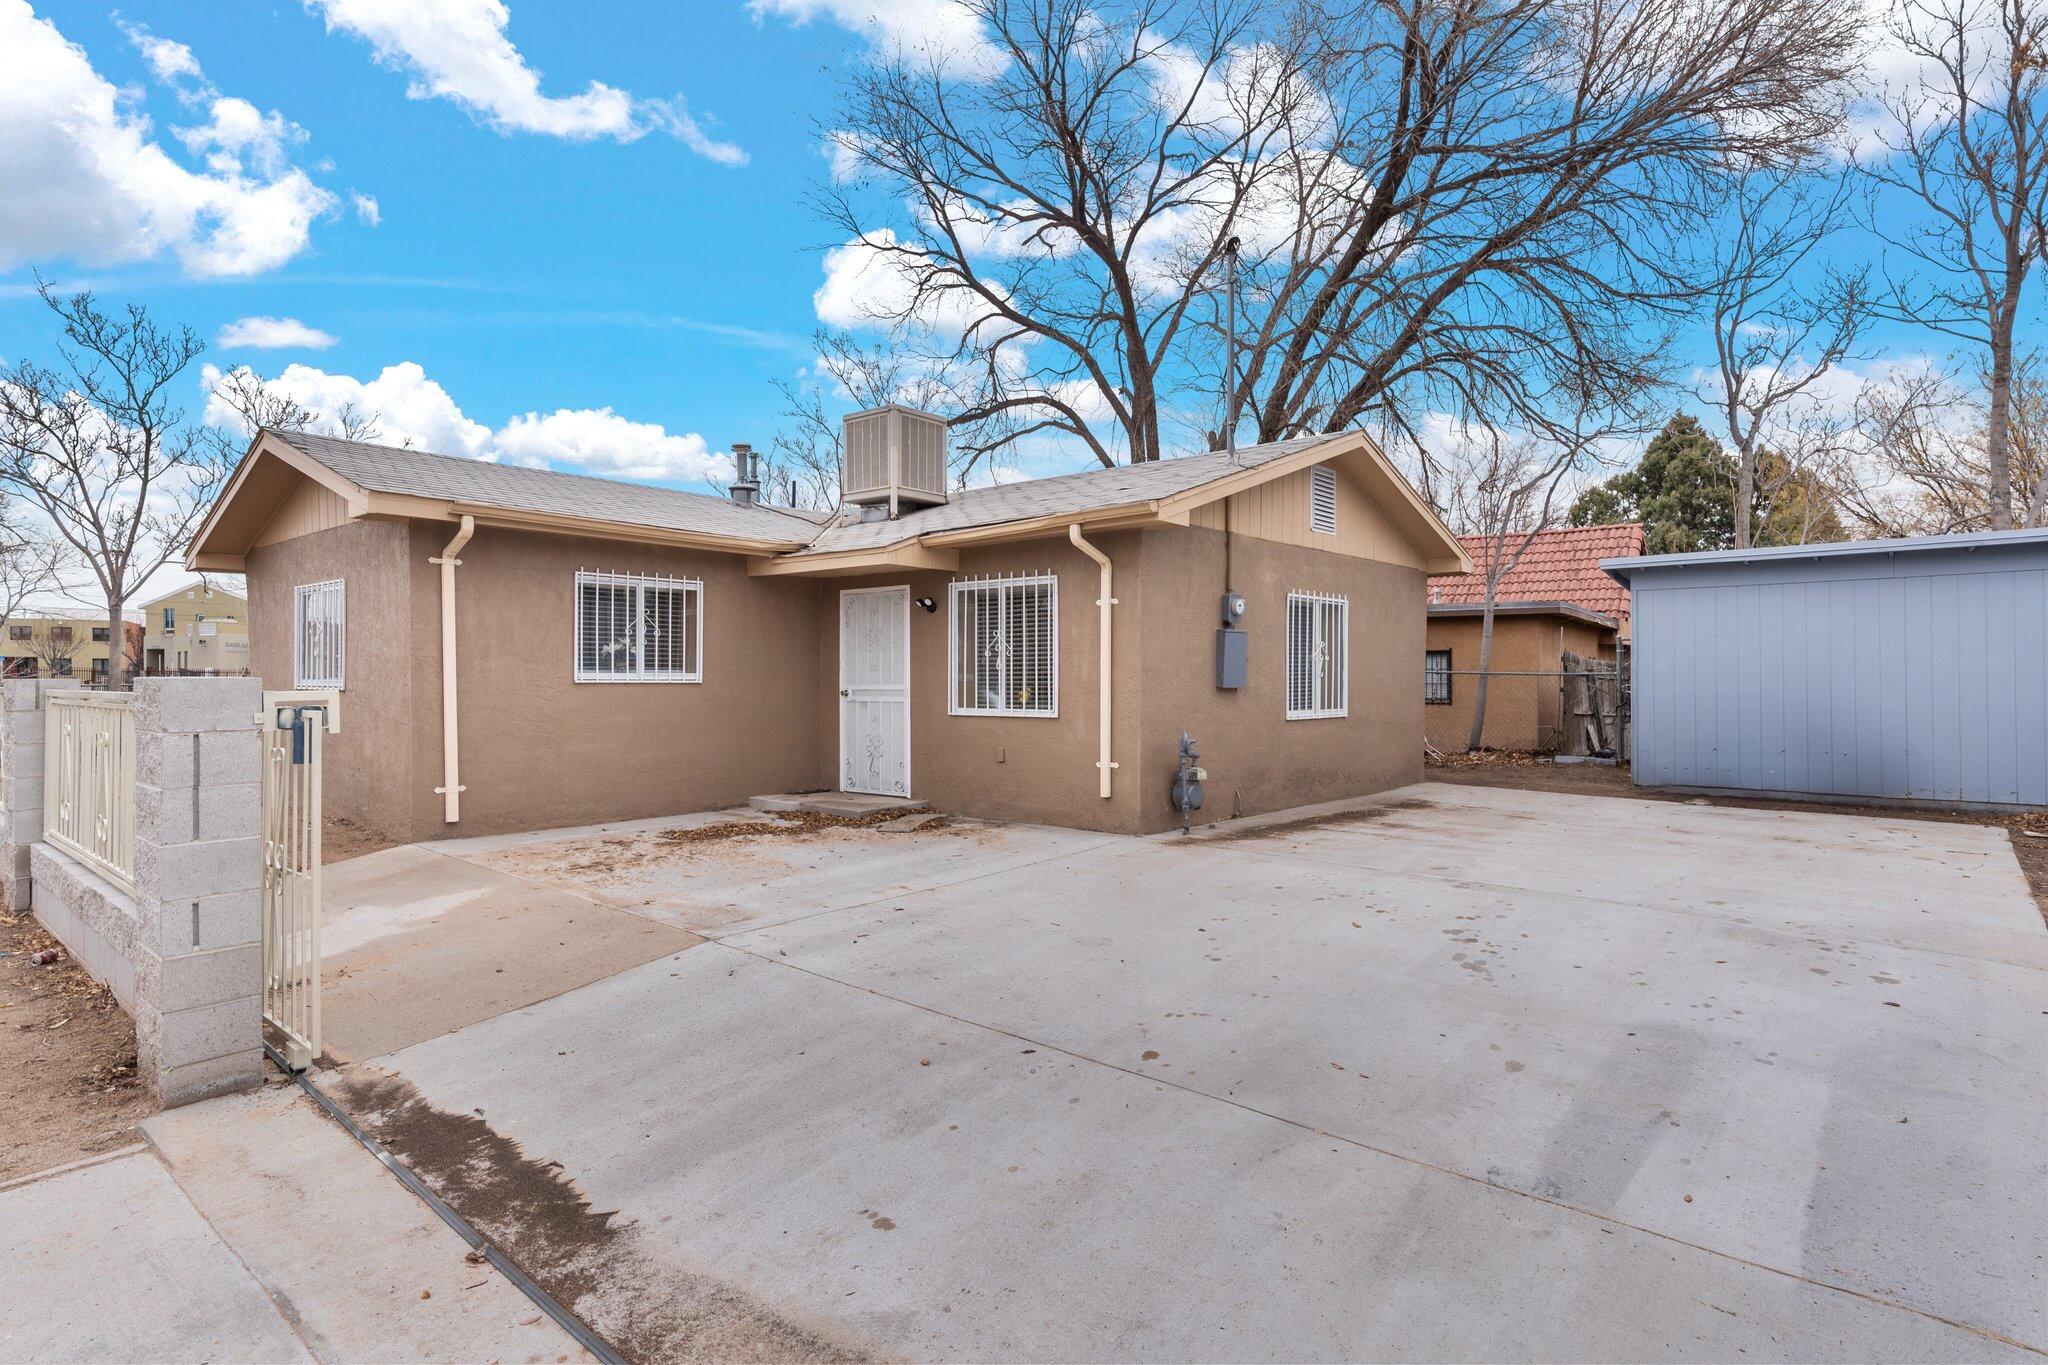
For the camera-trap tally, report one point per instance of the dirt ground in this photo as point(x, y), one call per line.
point(2029, 829)
point(68, 1087)
point(343, 838)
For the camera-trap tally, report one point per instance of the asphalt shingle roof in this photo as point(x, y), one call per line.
point(419, 473)
point(1060, 494)
point(1558, 566)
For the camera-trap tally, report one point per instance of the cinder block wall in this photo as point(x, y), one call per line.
point(184, 952)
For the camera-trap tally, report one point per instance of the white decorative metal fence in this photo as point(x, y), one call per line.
point(295, 725)
point(89, 781)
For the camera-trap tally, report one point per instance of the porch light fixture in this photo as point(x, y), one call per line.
point(929, 604)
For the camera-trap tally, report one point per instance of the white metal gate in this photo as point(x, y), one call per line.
point(295, 725)
point(874, 691)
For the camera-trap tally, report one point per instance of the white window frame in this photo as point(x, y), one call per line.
point(997, 588)
point(1322, 497)
point(1318, 612)
point(639, 583)
point(330, 668)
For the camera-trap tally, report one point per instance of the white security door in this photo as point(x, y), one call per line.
point(874, 691)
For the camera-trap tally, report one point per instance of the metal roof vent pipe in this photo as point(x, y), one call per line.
point(746, 488)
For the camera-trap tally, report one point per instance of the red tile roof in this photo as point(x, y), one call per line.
point(1558, 566)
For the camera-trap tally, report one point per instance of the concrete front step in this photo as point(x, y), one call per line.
point(837, 803)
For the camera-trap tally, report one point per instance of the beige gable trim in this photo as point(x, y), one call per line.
point(1279, 511)
point(308, 508)
point(1359, 462)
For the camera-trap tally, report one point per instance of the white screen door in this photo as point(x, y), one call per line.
point(874, 691)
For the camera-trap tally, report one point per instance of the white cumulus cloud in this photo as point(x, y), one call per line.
point(264, 333)
point(599, 441)
point(413, 410)
point(941, 31)
point(88, 181)
point(458, 50)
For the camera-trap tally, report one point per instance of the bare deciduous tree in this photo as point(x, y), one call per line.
point(848, 373)
point(261, 405)
point(31, 565)
point(1924, 466)
point(100, 447)
point(1444, 207)
point(1502, 493)
point(1969, 140)
point(1776, 338)
point(56, 645)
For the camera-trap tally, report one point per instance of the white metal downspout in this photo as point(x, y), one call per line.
point(1103, 603)
point(451, 760)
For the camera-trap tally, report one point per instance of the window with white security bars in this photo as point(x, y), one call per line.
point(1005, 648)
point(319, 634)
point(639, 628)
point(1318, 656)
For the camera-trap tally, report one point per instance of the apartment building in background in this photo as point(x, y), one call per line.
point(197, 629)
point(61, 647)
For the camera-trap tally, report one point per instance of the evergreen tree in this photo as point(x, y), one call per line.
point(1682, 490)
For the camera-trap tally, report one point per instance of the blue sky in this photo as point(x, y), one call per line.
point(571, 234)
point(522, 272)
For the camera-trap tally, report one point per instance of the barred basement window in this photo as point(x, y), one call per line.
point(1318, 655)
point(319, 634)
point(1322, 500)
point(1436, 677)
point(1004, 641)
point(639, 628)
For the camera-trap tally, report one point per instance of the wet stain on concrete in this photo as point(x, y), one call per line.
point(639, 1296)
point(1335, 819)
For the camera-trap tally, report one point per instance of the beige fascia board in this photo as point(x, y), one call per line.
point(904, 556)
point(407, 506)
point(263, 443)
point(214, 561)
point(1440, 549)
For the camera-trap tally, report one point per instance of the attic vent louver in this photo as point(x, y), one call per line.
point(894, 456)
point(1322, 500)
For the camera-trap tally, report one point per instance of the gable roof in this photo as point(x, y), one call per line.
point(1558, 566)
point(1058, 495)
point(422, 474)
point(377, 480)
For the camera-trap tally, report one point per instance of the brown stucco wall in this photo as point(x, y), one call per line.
point(541, 750)
point(1007, 767)
point(1257, 759)
point(370, 765)
point(1522, 713)
point(1167, 584)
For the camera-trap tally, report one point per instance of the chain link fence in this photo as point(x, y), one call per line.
point(1580, 710)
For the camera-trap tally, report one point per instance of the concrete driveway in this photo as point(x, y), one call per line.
point(1464, 1074)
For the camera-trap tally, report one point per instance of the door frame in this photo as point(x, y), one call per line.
point(901, 592)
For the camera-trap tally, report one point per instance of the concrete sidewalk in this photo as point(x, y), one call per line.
point(252, 1228)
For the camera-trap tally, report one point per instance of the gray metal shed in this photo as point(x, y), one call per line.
point(1894, 669)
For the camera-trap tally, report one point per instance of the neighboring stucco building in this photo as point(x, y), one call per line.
point(197, 629)
point(61, 647)
point(1556, 600)
point(619, 650)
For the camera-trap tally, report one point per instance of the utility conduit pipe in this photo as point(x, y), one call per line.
point(1103, 603)
point(451, 759)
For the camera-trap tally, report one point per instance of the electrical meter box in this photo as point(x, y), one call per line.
point(1230, 657)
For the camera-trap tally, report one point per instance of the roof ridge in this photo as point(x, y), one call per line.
point(289, 437)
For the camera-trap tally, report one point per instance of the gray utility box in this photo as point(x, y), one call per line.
point(1230, 657)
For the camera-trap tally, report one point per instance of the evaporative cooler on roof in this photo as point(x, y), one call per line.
point(894, 455)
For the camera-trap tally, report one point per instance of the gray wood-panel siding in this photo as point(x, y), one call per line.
point(1921, 676)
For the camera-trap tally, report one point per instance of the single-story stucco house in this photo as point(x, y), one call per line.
point(524, 649)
